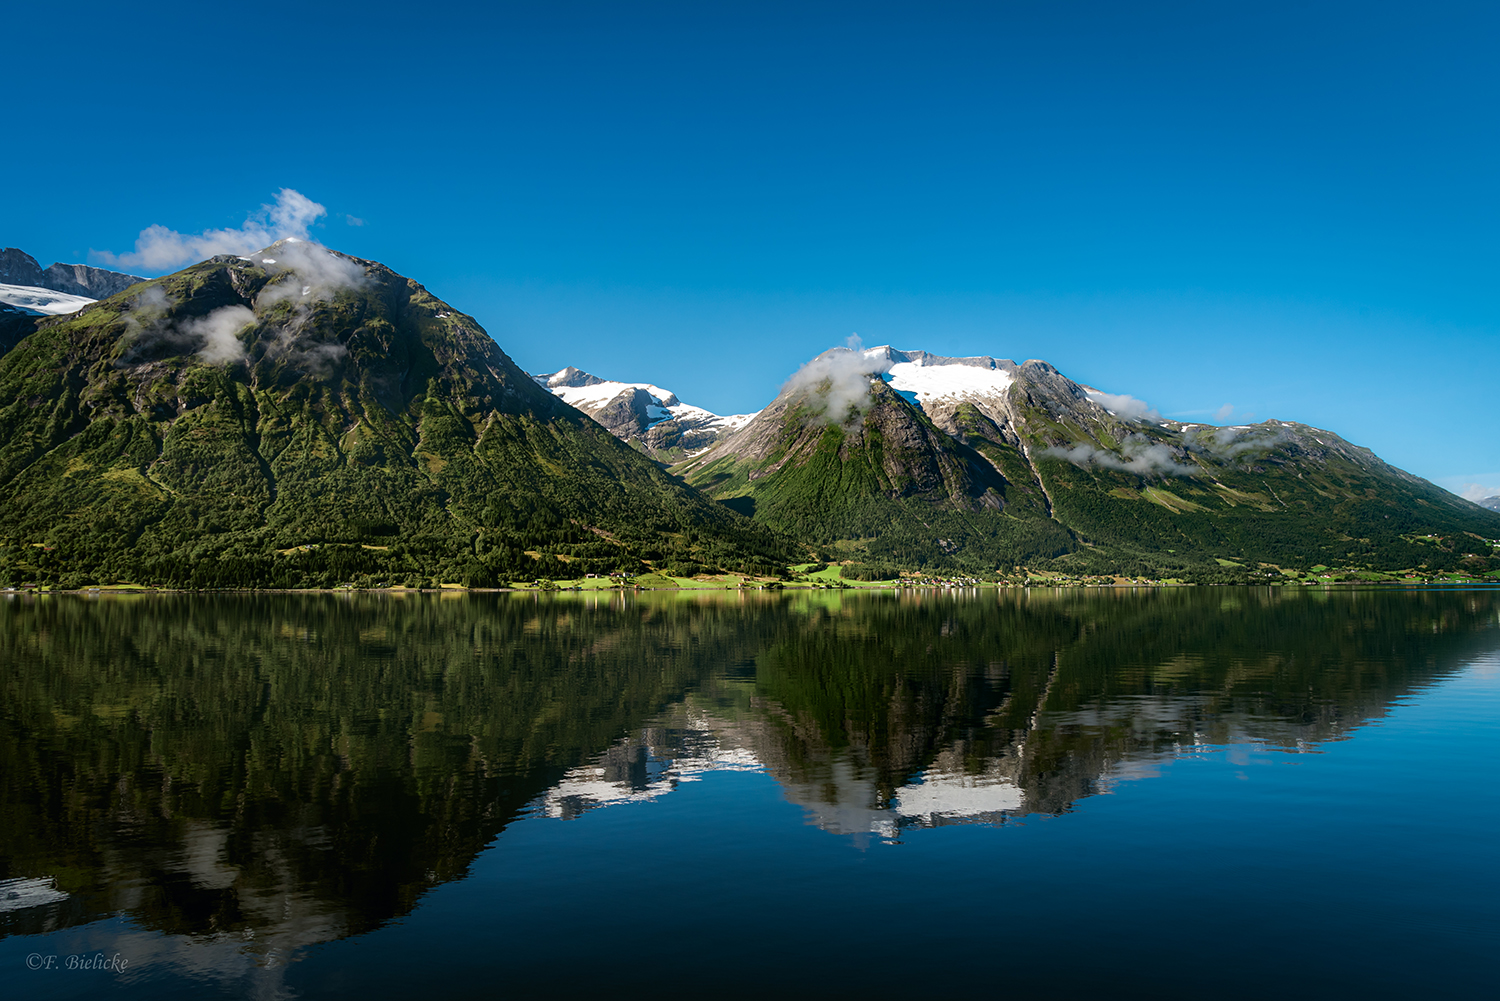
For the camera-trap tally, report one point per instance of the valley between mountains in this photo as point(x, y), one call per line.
point(301, 418)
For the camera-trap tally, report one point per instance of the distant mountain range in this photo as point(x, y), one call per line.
point(647, 417)
point(298, 417)
point(19, 268)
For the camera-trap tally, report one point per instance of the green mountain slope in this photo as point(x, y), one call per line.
point(304, 418)
point(987, 464)
point(890, 478)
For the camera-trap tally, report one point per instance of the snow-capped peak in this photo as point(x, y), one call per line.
point(594, 395)
point(586, 391)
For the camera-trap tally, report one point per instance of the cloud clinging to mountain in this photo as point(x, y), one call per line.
point(838, 380)
point(161, 249)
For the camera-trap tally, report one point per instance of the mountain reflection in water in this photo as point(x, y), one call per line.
point(243, 776)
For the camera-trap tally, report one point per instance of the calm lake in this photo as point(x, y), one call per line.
point(1243, 793)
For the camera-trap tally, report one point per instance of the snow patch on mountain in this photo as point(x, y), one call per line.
point(932, 379)
point(926, 378)
point(42, 301)
point(593, 395)
point(599, 393)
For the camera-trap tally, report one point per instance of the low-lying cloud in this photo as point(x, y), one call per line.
point(219, 331)
point(1479, 492)
point(1226, 443)
point(1127, 407)
point(303, 274)
point(839, 381)
point(151, 333)
point(1138, 454)
point(306, 272)
point(161, 249)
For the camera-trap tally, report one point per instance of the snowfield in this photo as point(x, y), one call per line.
point(42, 301)
point(948, 379)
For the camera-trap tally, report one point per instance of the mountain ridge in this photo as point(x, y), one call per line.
point(1091, 481)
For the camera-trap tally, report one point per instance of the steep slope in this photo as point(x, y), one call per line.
point(1072, 470)
point(301, 417)
point(647, 417)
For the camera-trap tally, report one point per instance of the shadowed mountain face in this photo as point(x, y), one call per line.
point(306, 768)
point(979, 462)
point(305, 418)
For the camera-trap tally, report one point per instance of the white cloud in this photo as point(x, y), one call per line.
point(152, 333)
point(161, 249)
point(838, 380)
point(219, 331)
point(1479, 492)
point(1138, 455)
point(307, 272)
point(1127, 407)
point(1222, 414)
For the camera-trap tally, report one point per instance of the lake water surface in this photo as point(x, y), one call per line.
point(1242, 793)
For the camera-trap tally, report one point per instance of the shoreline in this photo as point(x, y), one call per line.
point(707, 588)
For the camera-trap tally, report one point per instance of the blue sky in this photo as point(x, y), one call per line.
point(1289, 209)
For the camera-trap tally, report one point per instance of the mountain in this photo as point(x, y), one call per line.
point(1490, 503)
point(915, 459)
point(304, 418)
point(19, 268)
point(647, 417)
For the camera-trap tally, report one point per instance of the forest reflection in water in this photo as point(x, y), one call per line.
point(243, 776)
